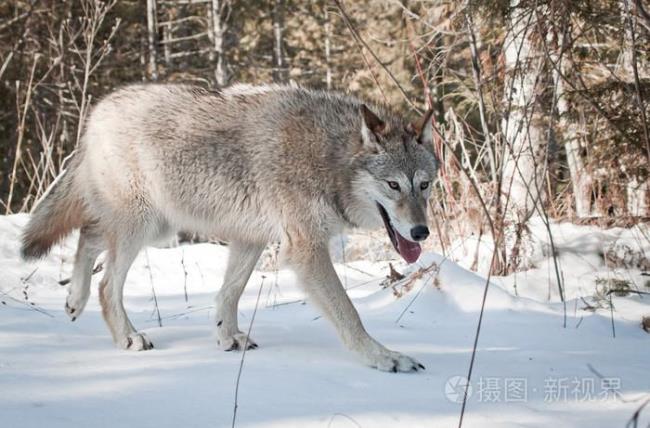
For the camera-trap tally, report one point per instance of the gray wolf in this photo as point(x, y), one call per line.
point(251, 165)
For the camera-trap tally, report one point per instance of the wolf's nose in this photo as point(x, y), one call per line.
point(419, 233)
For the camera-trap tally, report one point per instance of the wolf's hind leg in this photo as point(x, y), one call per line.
point(122, 251)
point(241, 262)
point(91, 244)
point(316, 273)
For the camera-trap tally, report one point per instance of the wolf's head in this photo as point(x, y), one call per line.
point(395, 168)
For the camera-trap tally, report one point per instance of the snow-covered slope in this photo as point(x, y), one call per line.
point(529, 370)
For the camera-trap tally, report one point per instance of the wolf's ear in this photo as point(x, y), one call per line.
point(371, 127)
point(425, 129)
point(371, 120)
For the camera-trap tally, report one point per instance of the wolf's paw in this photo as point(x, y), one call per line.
point(136, 342)
point(74, 305)
point(237, 342)
point(391, 361)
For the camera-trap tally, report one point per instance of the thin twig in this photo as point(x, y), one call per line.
point(153, 290)
point(357, 37)
point(184, 274)
point(634, 420)
point(31, 305)
point(616, 393)
point(243, 355)
point(476, 336)
point(21, 134)
point(611, 311)
point(424, 284)
point(343, 415)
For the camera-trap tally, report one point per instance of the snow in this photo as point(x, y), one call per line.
point(529, 369)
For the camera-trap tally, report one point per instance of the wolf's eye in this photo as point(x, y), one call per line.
point(393, 185)
point(424, 185)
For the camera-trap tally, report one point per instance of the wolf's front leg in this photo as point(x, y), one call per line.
point(316, 273)
point(241, 263)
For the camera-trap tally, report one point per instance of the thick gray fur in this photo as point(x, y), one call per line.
point(248, 164)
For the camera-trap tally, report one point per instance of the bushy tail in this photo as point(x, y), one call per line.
point(55, 216)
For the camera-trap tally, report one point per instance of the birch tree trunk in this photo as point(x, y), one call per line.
point(280, 74)
point(636, 190)
point(571, 135)
point(218, 32)
point(523, 135)
point(581, 180)
point(637, 197)
point(438, 91)
point(151, 39)
point(167, 35)
point(328, 56)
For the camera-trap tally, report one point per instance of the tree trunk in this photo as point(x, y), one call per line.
point(152, 71)
point(328, 57)
point(581, 180)
point(167, 35)
point(523, 135)
point(637, 197)
point(636, 190)
point(570, 132)
point(218, 32)
point(280, 74)
point(439, 90)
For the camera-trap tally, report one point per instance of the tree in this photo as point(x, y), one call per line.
point(523, 135)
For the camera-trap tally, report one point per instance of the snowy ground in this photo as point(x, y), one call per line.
point(529, 370)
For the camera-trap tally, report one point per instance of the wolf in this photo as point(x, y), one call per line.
point(250, 165)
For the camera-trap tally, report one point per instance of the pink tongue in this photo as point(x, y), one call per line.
point(409, 250)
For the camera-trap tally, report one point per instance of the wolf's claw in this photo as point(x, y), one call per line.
point(137, 342)
point(237, 342)
point(74, 305)
point(390, 361)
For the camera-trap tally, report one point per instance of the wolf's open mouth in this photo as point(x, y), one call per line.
point(409, 250)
